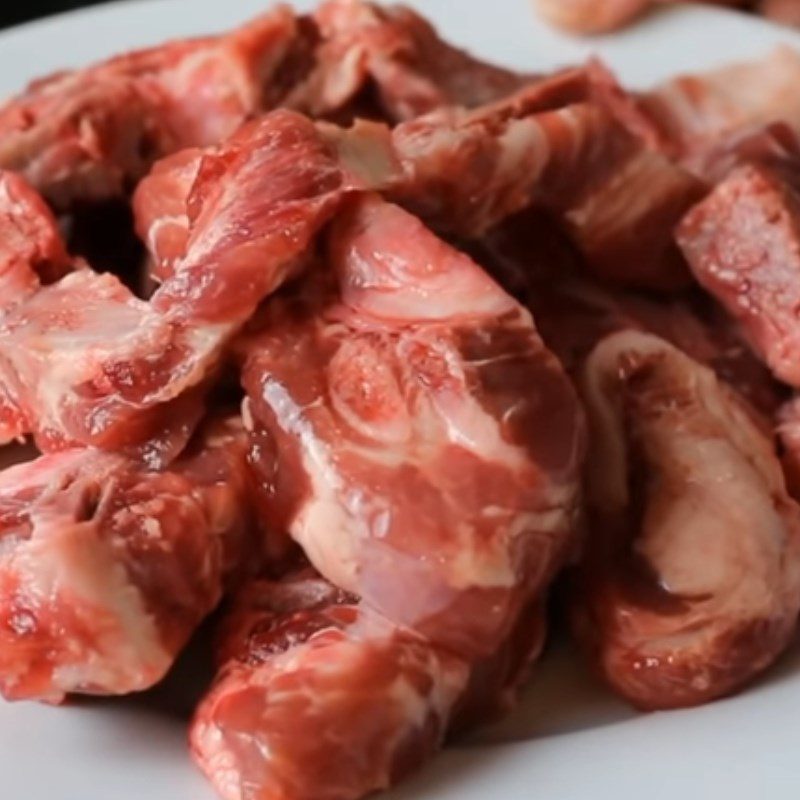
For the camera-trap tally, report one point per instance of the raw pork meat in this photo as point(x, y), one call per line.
point(397, 53)
point(412, 430)
point(91, 133)
point(31, 250)
point(75, 359)
point(593, 17)
point(742, 243)
point(319, 698)
point(31, 253)
point(100, 367)
point(160, 209)
point(591, 163)
point(106, 569)
point(787, 12)
point(690, 583)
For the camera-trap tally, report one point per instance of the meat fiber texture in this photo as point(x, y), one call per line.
point(743, 247)
point(107, 568)
point(104, 368)
point(690, 584)
point(319, 698)
point(310, 679)
point(572, 144)
point(386, 394)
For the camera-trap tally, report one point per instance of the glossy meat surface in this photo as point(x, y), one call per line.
point(160, 209)
point(31, 250)
point(319, 698)
point(412, 430)
point(91, 133)
point(63, 351)
point(31, 253)
point(88, 134)
point(690, 584)
point(743, 245)
point(104, 368)
point(590, 163)
point(106, 569)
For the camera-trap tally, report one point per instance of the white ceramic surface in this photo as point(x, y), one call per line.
point(569, 740)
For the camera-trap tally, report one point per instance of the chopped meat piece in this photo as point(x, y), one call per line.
point(31, 250)
point(106, 569)
point(100, 367)
point(91, 133)
point(690, 584)
point(397, 51)
point(319, 698)
point(31, 253)
point(619, 197)
point(80, 358)
point(413, 431)
point(742, 245)
point(694, 111)
point(255, 206)
point(160, 209)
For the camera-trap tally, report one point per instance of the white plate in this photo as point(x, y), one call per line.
point(570, 740)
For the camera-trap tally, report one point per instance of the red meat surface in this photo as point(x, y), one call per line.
point(104, 368)
point(319, 698)
point(160, 210)
point(31, 250)
point(776, 144)
point(591, 163)
point(412, 430)
point(31, 253)
point(91, 133)
point(743, 247)
point(396, 53)
point(690, 583)
point(574, 315)
point(417, 274)
point(107, 568)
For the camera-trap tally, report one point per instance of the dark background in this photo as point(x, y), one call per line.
point(12, 12)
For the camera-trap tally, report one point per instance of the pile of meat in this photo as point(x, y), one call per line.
point(402, 338)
